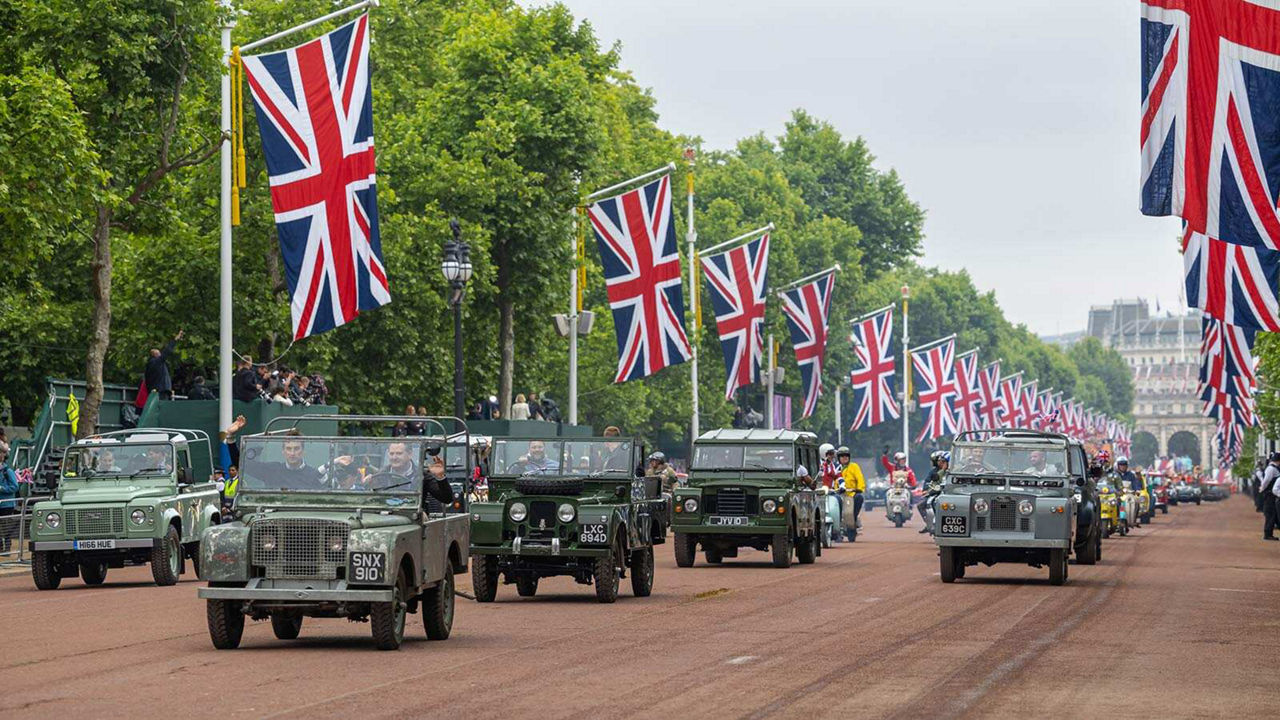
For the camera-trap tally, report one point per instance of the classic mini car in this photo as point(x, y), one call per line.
point(1186, 492)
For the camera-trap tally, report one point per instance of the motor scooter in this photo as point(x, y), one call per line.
point(848, 518)
point(897, 500)
point(832, 525)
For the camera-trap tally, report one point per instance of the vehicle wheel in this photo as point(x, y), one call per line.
point(1164, 510)
point(686, 550)
point(526, 586)
point(226, 624)
point(851, 534)
point(713, 556)
point(286, 627)
point(387, 618)
point(642, 572)
point(1087, 555)
point(947, 564)
point(898, 520)
point(45, 571)
point(781, 548)
point(93, 573)
point(1106, 531)
point(1057, 567)
point(437, 606)
point(959, 567)
point(1197, 501)
point(484, 578)
point(807, 549)
point(193, 554)
point(1097, 552)
point(606, 577)
point(166, 559)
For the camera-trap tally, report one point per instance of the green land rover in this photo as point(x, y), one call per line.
point(578, 507)
point(129, 497)
point(744, 492)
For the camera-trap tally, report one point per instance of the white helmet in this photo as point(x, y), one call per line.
point(900, 456)
point(826, 448)
point(802, 471)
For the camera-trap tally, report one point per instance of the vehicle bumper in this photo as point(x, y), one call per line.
point(979, 543)
point(539, 549)
point(701, 529)
point(130, 544)
point(320, 591)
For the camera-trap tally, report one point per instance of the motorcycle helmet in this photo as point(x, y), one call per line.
point(802, 471)
point(900, 457)
point(944, 456)
point(657, 457)
point(842, 450)
point(826, 449)
point(1122, 460)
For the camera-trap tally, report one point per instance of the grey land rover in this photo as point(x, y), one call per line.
point(1010, 497)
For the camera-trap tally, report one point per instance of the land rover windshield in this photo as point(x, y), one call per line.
point(596, 458)
point(304, 464)
point(116, 460)
point(1006, 460)
point(742, 457)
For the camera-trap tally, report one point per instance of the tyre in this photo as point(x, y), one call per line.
point(807, 549)
point(781, 548)
point(93, 573)
point(1197, 501)
point(45, 570)
point(642, 572)
point(1087, 555)
point(286, 627)
point(898, 520)
point(166, 559)
point(851, 534)
point(714, 556)
point(947, 564)
point(1164, 510)
point(1057, 567)
point(1106, 531)
point(959, 567)
point(226, 623)
point(606, 577)
point(484, 578)
point(1097, 551)
point(526, 586)
point(686, 550)
point(193, 554)
point(549, 486)
point(437, 606)
point(387, 618)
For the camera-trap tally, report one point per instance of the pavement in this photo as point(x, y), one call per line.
point(1180, 619)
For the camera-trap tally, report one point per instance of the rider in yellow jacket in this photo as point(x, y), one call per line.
point(852, 481)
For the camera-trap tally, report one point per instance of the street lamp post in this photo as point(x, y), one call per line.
point(456, 266)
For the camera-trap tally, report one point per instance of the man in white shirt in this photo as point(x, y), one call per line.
point(1270, 494)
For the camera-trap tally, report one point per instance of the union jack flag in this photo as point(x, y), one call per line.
point(1011, 400)
point(1210, 93)
point(873, 393)
point(1231, 282)
point(637, 241)
point(968, 392)
point(315, 114)
point(935, 369)
point(1030, 418)
point(739, 280)
point(1226, 355)
point(1044, 410)
point(806, 308)
point(989, 386)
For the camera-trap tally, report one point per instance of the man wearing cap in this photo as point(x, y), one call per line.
point(1127, 476)
point(1270, 486)
point(617, 455)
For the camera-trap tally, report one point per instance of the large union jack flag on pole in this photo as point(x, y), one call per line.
point(637, 240)
point(873, 393)
point(1010, 400)
point(1027, 406)
point(807, 308)
point(989, 387)
point(739, 280)
point(1234, 283)
point(315, 113)
point(935, 371)
point(968, 392)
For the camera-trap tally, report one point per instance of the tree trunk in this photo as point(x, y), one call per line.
point(506, 334)
point(100, 328)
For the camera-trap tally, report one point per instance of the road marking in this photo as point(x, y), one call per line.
point(871, 599)
point(740, 660)
point(1274, 592)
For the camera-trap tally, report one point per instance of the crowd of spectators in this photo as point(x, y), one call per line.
point(524, 408)
point(283, 386)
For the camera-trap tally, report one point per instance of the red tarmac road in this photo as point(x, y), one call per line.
point(1181, 619)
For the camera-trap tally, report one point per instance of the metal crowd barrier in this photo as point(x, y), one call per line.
point(13, 532)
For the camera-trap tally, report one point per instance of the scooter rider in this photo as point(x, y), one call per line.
point(829, 471)
point(1127, 476)
point(854, 484)
point(933, 485)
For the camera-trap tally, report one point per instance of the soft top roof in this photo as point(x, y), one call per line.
point(756, 435)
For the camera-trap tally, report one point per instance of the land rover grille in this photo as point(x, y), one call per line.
point(731, 501)
point(95, 522)
point(299, 547)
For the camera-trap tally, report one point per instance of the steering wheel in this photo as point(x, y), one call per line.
point(369, 479)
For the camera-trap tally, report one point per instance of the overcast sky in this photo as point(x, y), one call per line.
point(1014, 123)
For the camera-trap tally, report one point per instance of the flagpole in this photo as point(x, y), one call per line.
point(308, 24)
point(224, 243)
point(839, 424)
point(807, 278)
point(768, 406)
point(600, 194)
point(573, 320)
point(740, 238)
point(691, 238)
point(906, 370)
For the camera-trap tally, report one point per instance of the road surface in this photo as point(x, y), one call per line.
point(1181, 619)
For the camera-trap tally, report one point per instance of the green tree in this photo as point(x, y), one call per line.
point(1093, 360)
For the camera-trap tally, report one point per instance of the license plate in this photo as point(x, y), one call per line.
point(954, 525)
point(593, 534)
point(368, 567)
point(728, 520)
point(95, 544)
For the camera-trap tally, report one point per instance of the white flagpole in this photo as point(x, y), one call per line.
point(839, 424)
point(906, 370)
point(691, 236)
point(600, 194)
point(768, 406)
point(573, 322)
point(224, 243)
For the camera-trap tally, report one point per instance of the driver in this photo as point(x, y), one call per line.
point(976, 461)
point(616, 456)
point(536, 459)
point(294, 473)
point(400, 460)
point(153, 460)
point(105, 462)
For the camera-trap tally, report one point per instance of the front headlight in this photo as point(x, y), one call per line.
point(768, 506)
point(518, 511)
point(981, 506)
point(53, 520)
point(565, 512)
point(1026, 507)
point(691, 505)
point(138, 517)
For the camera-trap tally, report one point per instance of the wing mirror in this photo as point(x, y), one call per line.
point(1079, 482)
point(51, 479)
point(620, 491)
point(434, 447)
